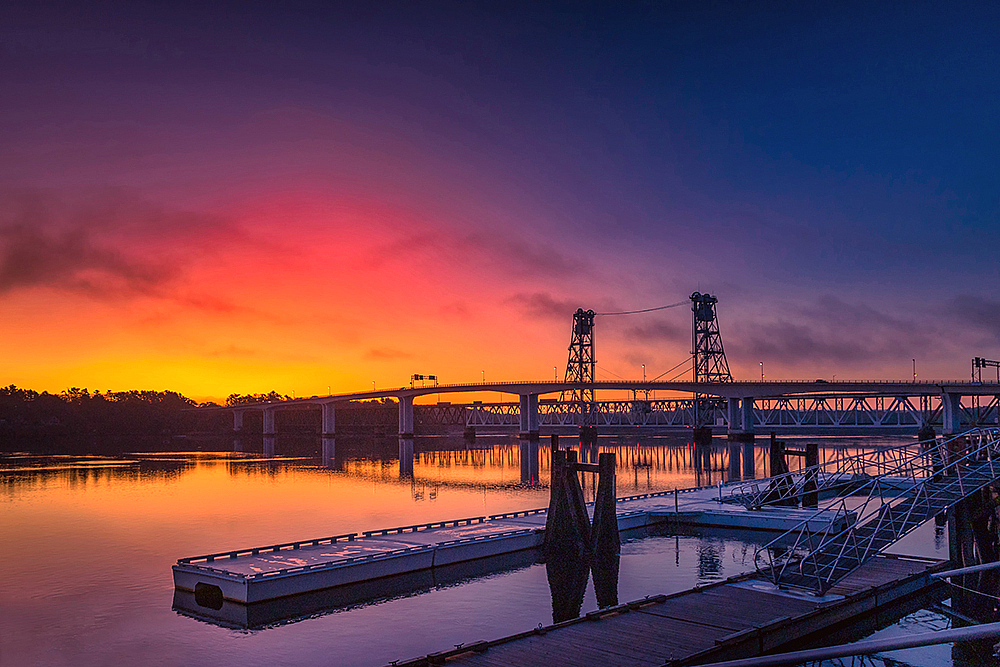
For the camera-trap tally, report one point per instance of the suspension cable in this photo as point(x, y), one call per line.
point(647, 310)
point(686, 361)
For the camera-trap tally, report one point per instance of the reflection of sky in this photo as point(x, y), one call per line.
point(290, 199)
point(87, 566)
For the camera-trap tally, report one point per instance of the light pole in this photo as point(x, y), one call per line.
point(373, 385)
point(555, 373)
point(484, 376)
point(762, 371)
point(914, 370)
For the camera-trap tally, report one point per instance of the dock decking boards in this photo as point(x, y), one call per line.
point(742, 617)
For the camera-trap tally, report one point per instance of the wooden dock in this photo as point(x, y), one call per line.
point(740, 618)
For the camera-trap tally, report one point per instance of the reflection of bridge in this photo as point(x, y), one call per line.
point(739, 407)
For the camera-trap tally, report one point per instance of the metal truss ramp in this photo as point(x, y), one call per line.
point(880, 510)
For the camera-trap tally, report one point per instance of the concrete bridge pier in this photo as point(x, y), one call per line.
point(269, 432)
point(329, 420)
point(406, 417)
point(237, 430)
point(529, 417)
point(741, 421)
point(528, 435)
point(951, 414)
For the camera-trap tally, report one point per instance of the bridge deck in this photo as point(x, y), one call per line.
point(735, 619)
point(263, 573)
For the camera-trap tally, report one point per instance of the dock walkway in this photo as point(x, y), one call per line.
point(264, 573)
point(739, 618)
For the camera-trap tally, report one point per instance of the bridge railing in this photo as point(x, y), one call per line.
point(829, 545)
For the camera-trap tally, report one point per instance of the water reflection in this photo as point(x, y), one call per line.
point(292, 609)
point(529, 453)
point(406, 458)
point(329, 452)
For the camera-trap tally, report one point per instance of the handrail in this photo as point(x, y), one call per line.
point(876, 511)
point(791, 485)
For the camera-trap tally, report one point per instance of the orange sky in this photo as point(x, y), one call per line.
point(292, 204)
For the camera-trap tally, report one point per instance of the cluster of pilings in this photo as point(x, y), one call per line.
point(778, 454)
point(574, 546)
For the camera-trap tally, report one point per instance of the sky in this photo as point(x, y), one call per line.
point(326, 197)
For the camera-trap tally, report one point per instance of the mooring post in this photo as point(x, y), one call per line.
point(567, 526)
point(577, 503)
point(810, 496)
point(605, 530)
point(607, 542)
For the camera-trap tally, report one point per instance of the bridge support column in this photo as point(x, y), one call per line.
point(269, 432)
point(269, 421)
point(744, 417)
point(237, 430)
point(951, 414)
point(528, 434)
point(406, 417)
point(329, 421)
point(529, 416)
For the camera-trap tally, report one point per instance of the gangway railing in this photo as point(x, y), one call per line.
point(839, 474)
point(847, 532)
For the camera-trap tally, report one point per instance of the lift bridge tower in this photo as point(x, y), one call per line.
point(710, 363)
point(580, 366)
point(709, 357)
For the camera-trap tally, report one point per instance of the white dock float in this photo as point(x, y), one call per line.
point(265, 573)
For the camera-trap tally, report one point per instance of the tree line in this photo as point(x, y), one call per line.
point(77, 419)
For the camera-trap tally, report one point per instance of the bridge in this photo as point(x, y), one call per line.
point(711, 399)
point(738, 408)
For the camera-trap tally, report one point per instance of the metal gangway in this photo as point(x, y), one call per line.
point(909, 490)
point(837, 476)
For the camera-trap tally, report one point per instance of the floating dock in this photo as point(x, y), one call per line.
point(258, 574)
point(739, 618)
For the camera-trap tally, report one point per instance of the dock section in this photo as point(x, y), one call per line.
point(269, 572)
point(739, 618)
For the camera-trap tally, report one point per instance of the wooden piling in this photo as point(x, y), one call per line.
point(810, 495)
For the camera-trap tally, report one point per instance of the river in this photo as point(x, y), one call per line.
point(88, 543)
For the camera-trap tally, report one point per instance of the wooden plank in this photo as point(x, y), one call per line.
point(688, 625)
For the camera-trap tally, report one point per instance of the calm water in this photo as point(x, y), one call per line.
point(88, 544)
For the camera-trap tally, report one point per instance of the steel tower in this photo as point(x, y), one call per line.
point(710, 363)
point(581, 363)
